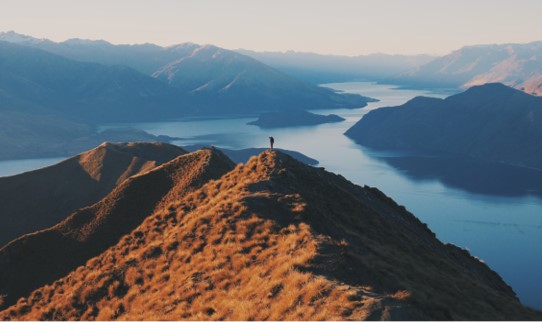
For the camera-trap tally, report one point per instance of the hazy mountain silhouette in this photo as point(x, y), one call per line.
point(145, 58)
point(272, 239)
point(37, 81)
point(491, 122)
point(515, 65)
point(293, 118)
point(40, 258)
point(320, 69)
point(212, 74)
point(218, 80)
point(39, 199)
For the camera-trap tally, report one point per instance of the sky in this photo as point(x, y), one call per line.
point(342, 27)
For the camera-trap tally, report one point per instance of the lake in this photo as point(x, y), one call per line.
point(493, 210)
point(11, 167)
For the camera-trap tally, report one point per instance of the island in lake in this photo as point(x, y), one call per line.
point(293, 118)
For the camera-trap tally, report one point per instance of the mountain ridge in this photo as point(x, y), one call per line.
point(276, 239)
point(89, 231)
point(80, 181)
point(257, 86)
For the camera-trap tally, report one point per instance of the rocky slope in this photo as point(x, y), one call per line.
point(274, 239)
point(41, 257)
point(39, 199)
point(490, 122)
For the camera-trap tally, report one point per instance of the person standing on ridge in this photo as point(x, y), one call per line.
point(271, 142)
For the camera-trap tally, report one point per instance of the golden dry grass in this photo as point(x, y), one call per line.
point(42, 198)
point(42, 257)
point(275, 240)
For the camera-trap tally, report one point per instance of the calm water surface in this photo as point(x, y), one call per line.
point(11, 167)
point(478, 207)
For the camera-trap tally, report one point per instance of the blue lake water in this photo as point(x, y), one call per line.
point(11, 167)
point(493, 210)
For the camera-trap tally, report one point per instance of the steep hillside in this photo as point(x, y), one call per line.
point(515, 65)
point(44, 256)
point(39, 199)
point(276, 239)
point(491, 122)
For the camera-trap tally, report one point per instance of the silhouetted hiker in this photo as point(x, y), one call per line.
point(271, 141)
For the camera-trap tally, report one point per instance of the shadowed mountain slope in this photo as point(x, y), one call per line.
point(36, 81)
point(276, 239)
point(491, 122)
point(42, 257)
point(39, 199)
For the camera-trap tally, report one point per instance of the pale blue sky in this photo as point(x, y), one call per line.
point(346, 27)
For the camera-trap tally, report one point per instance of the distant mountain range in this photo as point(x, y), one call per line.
point(227, 82)
point(206, 79)
point(319, 69)
point(515, 65)
point(36, 81)
point(198, 237)
point(491, 122)
point(54, 94)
